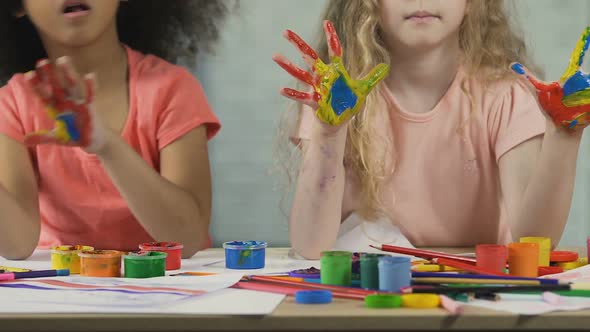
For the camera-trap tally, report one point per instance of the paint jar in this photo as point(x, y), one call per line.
point(491, 257)
point(336, 268)
point(100, 263)
point(66, 257)
point(370, 270)
point(145, 264)
point(523, 259)
point(544, 248)
point(245, 255)
point(394, 273)
point(173, 249)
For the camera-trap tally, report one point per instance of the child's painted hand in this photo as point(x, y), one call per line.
point(566, 102)
point(336, 97)
point(69, 102)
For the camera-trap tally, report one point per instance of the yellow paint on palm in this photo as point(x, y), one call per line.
point(341, 97)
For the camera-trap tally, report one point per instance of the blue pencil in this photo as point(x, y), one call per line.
point(480, 276)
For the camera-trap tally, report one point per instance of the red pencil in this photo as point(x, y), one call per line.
point(425, 254)
point(311, 285)
point(466, 267)
point(288, 290)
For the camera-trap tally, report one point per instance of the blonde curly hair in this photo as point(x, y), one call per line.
point(487, 40)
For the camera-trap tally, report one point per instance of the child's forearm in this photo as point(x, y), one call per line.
point(317, 206)
point(166, 211)
point(20, 229)
point(547, 199)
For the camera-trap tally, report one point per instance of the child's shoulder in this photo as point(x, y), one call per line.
point(492, 87)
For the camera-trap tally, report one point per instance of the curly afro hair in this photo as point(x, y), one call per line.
point(169, 29)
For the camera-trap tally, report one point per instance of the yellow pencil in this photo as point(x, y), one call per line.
point(13, 269)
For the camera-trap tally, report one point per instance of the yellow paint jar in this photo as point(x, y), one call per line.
point(66, 257)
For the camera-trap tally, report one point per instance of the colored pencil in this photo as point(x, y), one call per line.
point(34, 274)
point(484, 289)
point(481, 276)
point(475, 281)
point(466, 267)
point(13, 269)
point(303, 284)
point(425, 254)
point(290, 290)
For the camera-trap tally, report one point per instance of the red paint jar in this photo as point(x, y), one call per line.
point(173, 249)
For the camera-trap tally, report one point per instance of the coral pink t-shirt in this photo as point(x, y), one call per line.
point(78, 202)
point(445, 188)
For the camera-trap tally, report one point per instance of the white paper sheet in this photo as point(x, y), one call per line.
point(524, 304)
point(171, 295)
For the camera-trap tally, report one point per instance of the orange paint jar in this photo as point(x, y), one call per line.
point(523, 259)
point(100, 263)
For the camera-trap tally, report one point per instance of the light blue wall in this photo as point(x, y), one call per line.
point(242, 84)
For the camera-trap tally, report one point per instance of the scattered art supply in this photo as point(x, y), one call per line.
point(13, 269)
point(544, 248)
point(563, 256)
point(475, 281)
point(245, 255)
point(547, 270)
point(426, 266)
point(477, 289)
point(566, 266)
point(424, 254)
point(420, 301)
point(311, 273)
point(523, 259)
point(34, 274)
point(465, 266)
point(173, 249)
point(383, 301)
point(267, 284)
point(313, 296)
point(145, 264)
point(492, 257)
point(394, 273)
point(370, 270)
point(450, 305)
point(543, 281)
point(100, 263)
point(66, 257)
point(336, 268)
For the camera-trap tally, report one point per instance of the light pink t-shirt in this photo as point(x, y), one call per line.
point(445, 190)
point(78, 202)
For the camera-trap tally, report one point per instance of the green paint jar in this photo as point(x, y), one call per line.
point(145, 264)
point(336, 268)
point(370, 270)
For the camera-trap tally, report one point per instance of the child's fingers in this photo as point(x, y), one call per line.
point(523, 71)
point(90, 84)
point(47, 73)
point(295, 71)
point(70, 79)
point(375, 76)
point(334, 46)
point(41, 137)
point(39, 87)
point(310, 99)
point(308, 53)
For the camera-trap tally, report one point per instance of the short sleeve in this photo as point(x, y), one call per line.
point(185, 109)
point(515, 118)
point(10, 121)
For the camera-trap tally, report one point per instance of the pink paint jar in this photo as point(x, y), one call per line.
point(173, 249)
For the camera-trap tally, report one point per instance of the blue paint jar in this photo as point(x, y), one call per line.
point(394, 273)
point(244, 255)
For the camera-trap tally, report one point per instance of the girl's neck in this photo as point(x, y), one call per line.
point(420, 78)
point(105, 56)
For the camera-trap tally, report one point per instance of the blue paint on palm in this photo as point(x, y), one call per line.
point(342, 97)
point(70, 121)
point(576, 83)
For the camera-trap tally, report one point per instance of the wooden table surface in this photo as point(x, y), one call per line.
point(340, 315)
